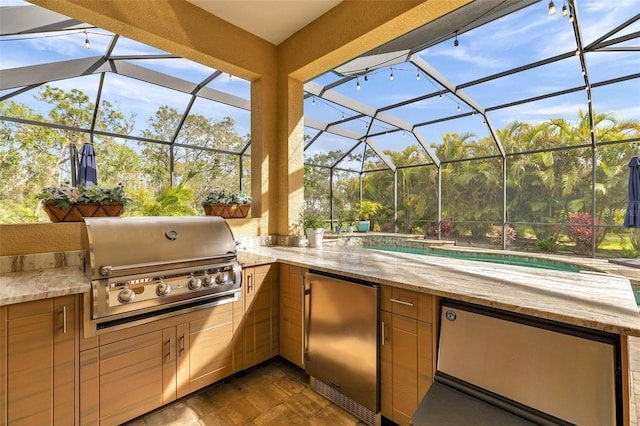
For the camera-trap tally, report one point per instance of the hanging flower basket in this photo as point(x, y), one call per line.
point(71, 204)
point(76, 212)
point(227, 211)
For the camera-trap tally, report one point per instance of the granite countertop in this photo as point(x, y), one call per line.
point(16, 287)
point(595, 300)
point(590, 299)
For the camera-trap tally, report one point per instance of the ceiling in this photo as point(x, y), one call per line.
point(271, 20)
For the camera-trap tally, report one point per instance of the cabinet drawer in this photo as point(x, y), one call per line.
point(408, 303)
point(399, 301)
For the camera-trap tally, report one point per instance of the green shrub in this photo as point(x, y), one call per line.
point(547, 244)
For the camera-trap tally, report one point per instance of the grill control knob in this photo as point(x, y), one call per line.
point(194, 283)
point(208, 281)
point(222, 278)
point(126, 295)
point(163, 289)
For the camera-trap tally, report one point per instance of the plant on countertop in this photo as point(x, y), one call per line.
point(65, 196)
point(226, 197)
point(312, 226)
point(310, 219)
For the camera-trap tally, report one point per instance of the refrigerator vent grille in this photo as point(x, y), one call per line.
point(358, 410)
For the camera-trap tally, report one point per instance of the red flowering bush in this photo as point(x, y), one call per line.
point(446, 227)
point(579, 231)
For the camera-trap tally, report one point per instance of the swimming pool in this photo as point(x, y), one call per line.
point(531, 262)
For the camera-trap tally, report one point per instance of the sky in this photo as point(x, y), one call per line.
point(518, 39)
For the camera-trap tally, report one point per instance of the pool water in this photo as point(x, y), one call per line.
point(636, 293)
point(529, 262)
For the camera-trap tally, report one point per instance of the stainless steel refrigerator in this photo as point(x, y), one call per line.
point(341, 349)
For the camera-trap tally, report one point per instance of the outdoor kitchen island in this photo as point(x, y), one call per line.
point(595, 301)
point(567, 302)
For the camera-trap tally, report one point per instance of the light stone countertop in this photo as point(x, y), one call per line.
point(16, 287)
point(590, 299)
point(594, 300)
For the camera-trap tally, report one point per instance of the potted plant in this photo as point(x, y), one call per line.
point(71, 204)
point(366, 209)
point(313, 226)
point(227, 204)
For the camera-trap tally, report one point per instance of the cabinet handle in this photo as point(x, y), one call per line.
point(402, 302)
point(182, 344)
point(382, 331)
point(64, 319)
point(306, 314)
point(249, 282)
point(168, 346)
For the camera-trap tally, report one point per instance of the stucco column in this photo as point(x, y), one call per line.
point(290, 170)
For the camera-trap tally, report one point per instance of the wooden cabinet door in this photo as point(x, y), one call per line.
point(291, 317)
point(64, 360)
point(406, 352)
point(386, 365)
point(261, 314)
point(40, 362)
point(205, 349)
point(131, 376)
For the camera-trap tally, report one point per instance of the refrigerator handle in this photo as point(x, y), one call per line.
point(306, 314)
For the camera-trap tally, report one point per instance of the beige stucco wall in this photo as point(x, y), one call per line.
point(277, 74)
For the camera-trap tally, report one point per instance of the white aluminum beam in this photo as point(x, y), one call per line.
point(30, 19)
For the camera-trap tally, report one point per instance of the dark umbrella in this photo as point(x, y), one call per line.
point(632, 217)
point(87, 175)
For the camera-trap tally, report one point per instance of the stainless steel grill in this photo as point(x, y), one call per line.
point(143, 268)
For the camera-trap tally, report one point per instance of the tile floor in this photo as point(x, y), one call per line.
point(276, 394)
point(279, 394)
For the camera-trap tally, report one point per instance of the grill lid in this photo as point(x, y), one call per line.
point(121, 245)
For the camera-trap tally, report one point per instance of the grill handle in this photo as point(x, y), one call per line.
point(108, 270)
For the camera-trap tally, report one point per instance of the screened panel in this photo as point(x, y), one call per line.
point(542, 80)
point(385, 86)
point(612, 177)
point(372, 161)
point(214, 125)
point(597, 18)
point(155, 111)
point(607, 65)
point(503, 44)
point(431, 109)
point(205, 171)
point(236, 85)
point(346, 192)
point(621, 113)
point(418, 200)
point(329, 148)
point(401, 147)
point(562, 120)
point(118, 161)
point(80, 93)
point(357, 126)
point(472, 192)
point(470, 138)
point(546, 187)
point(56, 46)
point(378, 187)
point(317, 189)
